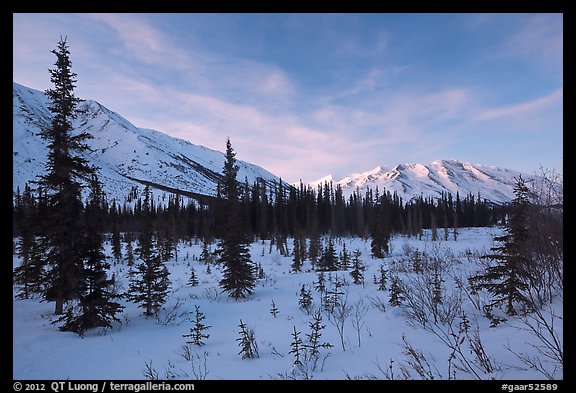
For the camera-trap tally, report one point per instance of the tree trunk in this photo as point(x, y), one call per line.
point(59, 309)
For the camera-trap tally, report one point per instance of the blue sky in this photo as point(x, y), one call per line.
point(307, 95)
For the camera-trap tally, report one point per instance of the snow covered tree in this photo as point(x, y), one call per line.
point(197, 334)
point(507, 279)
point(149, 283)
point(239, 276)
point(65, 168)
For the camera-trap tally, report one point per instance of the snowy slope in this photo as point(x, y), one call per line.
point(448, 176)
point(125, 153)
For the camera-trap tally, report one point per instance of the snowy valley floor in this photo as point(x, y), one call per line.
point(41, 351)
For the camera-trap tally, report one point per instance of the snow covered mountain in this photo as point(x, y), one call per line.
point(128, 156)
point(412, 180)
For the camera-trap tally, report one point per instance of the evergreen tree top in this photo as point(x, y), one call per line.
point(62, 96)
point(230, 171)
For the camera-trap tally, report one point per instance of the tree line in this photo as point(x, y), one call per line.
point(281, 210)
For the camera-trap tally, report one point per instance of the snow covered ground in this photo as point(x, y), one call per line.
point(43, 352)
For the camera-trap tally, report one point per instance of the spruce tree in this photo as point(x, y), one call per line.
point(193, 280)
point(239, 274)
point(274, 310)
point(247, 342)
point(296, 261)
point(296, 347)
point(197, 332)
point(507, 279)
point(97, 305)
point(382, 278)
point(396, 295)
point(65, 168)
point(30, 274)
point(305, 300)
point(380, 230)
point(437, 293)
point(344, 258)
point(315, 337)
point(129, 249)
point(149, 283)
point(358, 268)
point(206, 254)
point(329, 260)
point(433, 226)
point(116, 244)
point(314, 248)
point(417, 262)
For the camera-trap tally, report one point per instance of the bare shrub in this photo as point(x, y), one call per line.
point(549, 353)
point(417, 361)
point(359, 311)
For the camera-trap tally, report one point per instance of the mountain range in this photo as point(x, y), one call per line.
point(441, 176)
point(130, 157)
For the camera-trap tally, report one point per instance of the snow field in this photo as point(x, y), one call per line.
point(41, 351)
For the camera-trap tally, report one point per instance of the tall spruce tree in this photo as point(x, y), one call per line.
point(149, 283)
point(239, 275)
point(65, 168)
point(507, 279)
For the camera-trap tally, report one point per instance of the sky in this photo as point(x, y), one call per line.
point(307, 95)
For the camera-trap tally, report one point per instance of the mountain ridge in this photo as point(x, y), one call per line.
point(410, 180)
point(128, 156)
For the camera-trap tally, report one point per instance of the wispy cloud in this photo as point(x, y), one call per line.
point(521, 110)
point(336, 98)
point(143, 42)
point(539, 38)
